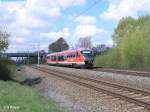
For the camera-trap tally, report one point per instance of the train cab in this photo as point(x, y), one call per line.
point(89, 57)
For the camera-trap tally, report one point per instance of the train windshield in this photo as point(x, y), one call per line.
point(87, 53)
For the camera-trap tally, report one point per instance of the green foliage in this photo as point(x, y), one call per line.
point(133, 45)
point(125, 26)
point(110, 59)
point(132, 50)
point(3, 39)
point(26, 99)
point(5, 69)
point(59, 45)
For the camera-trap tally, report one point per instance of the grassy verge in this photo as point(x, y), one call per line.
point(17, 98)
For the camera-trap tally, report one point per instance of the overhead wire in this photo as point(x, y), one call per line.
point(81, 13)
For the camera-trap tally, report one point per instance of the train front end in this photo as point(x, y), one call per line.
point(88, 58)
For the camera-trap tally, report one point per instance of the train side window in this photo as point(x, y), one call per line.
point(71, 54)
point(54, 58)
point(68, 55)
point(74, 54)
point(61, 58)
point(58, 58)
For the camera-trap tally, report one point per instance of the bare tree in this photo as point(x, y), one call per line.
point(85, 42)
point(101, 48)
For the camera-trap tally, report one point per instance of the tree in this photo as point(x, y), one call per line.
point(58, 45)
point(125, 26)
point(101, 48)
point(5, 69)
point(85, 42)
point(3, 39)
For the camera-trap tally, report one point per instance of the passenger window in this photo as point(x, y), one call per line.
point(54, 58)
point(60, 58)
point(69, 55)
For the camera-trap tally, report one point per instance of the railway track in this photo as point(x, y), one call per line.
point(136, 96)
point(124, 71)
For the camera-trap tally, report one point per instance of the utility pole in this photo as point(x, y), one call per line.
point(28, 57)
point(38, 53)
point(39, 50)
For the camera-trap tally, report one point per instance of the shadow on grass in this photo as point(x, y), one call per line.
point(31, 81)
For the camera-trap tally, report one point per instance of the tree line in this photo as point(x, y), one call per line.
point(131, 45)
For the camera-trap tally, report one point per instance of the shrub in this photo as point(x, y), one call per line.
point(110, 59)
point(5, 69)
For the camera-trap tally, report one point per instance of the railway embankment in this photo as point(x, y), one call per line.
point(78, 98)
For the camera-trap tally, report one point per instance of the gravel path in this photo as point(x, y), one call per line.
point(77, 98)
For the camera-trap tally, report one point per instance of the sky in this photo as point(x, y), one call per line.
point(41, 22)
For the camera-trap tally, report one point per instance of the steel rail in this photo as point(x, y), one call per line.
point(117, 95)
point(102, 82)
point(124, 71)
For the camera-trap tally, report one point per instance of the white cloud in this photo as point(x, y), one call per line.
point(65, 33)
point(87, 30)
point(54, 12)
point(53, 3)
point(26, 20)
point(66, 3)
point(122, 8)
point(22, 47)
point(18, 40)
point(86, 26)
point(34, 13)
point(85, 20)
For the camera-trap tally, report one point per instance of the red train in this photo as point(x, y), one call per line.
point(73, 58)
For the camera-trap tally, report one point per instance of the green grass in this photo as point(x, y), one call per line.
point(18, 98)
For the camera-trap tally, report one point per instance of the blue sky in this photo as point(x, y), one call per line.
point(43, 21)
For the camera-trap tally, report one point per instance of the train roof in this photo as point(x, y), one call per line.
point(62, 52)
point(67, 51)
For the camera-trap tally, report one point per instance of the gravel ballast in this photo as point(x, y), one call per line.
point(77, 98)
point(138, 82)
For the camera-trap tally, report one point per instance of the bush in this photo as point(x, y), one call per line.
point(110, 59)
point(132, 50)
point(5, 69)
